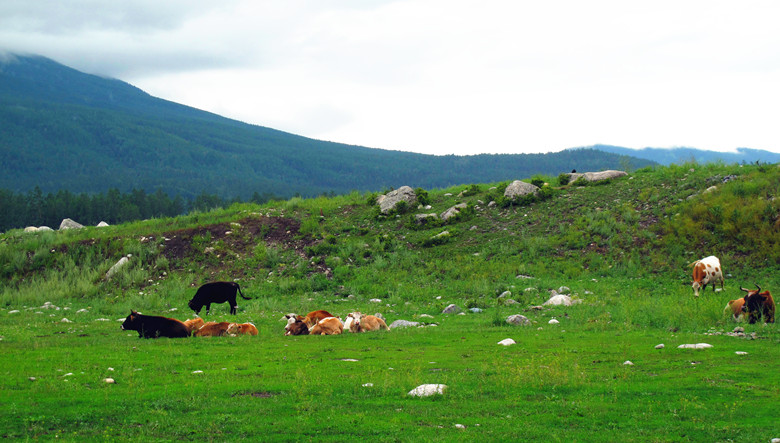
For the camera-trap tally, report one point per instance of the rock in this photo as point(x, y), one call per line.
point(475, 310)
point(661, 346)
point(65, 320)
point(427, 390)
point(31, 229)
point(14, 311)
point(695, 346)
point(425, 316)
point(117, 266)
point(596, 176)
point(553, 321)
point(507, 342)
point(559, 299)
point(44, 228)
point(505, 294)
point(109, 380)
point(367, 385)
point(379, 316)
point(628, 363)
point(451, 309)
point(102, 224)
point(564, 290)
point(519, 188)
point(453, 211)
point(422, 219)
point(459, 426)
point(387, 202)
point(376, 300)
point(710, 189)
point(403, 324)
point(741, 353)
point(70, 224)
point(197, 371)
point(517, 319)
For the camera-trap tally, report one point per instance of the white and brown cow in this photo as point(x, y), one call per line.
point(706, 271)
point(364, 323)
point(734, 309)
point(328, 326)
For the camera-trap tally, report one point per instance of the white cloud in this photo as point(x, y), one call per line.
point(439, 76)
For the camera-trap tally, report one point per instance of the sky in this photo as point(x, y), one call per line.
point(438, 76)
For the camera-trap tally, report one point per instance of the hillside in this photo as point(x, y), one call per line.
point(668, 156)
point(613, 364)
point(63, 129)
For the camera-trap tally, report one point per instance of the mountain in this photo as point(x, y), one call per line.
point(668, 156)
point(64, 129)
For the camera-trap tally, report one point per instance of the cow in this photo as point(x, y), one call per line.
point(310, 319)
point(734, 309)
point(350, 320)
point(242, 328)
point(759, 304)
point(296, 327)
point(216, 292)
point(365, 323)
point(328, 326)
point(213, 329)
point(193, 324)
point(152, 326)
point(706, 271)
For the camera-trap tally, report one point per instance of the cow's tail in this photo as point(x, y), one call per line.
point(241, 293)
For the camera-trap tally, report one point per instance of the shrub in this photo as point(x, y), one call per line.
point(422, 196)
point(563, 179)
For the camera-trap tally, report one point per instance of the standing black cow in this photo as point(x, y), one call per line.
point(216, 292)
point(152, 326)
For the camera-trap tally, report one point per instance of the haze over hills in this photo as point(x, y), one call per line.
point(64, 129)
point(668, 156)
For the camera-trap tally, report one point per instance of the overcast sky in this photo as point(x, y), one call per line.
point(439, 77)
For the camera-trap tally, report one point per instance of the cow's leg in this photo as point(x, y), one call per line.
point(208, 308)
point(233, 309)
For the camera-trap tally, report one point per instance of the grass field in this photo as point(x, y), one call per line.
point(622, 248)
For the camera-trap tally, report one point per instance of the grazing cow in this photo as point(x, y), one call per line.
point(242, 328)
point(758, 304)
point(366, 323)
point(328, 326)
point(213, 329)
point(734, 309)
point(152, 326)
point(216, 292)
point(296, 327)
point(193, 324)
point(706, 271)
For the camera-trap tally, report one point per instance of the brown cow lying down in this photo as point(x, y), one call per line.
point(365, 323)
point(758, 304)
point(296, 327)
point(152, 326)
point(193, 324)
point(734, 309)
point(328, 326)
point(213, 329)
point(242, 328)
point(311, 318)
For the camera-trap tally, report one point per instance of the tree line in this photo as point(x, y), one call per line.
point(34, 208)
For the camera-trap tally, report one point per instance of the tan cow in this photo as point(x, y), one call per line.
point(734, 309)
point(213, 329)
point(193, 324)
point(327, 326)
point(242, 329)
point(365, 323)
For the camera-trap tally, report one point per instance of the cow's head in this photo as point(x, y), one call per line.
point(130, 321)
point(296, 328)
point(195, 306)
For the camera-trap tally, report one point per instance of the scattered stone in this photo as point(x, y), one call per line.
point(507, 342)
point(379, 315)
point(197, 372)
point(109, 380)
point(368, 385)
point(459, 426)
point(425, 316)
point(451, 309)
point(564, 290)
point(65, 320)
point(519, 188)
point(628, 363)
point(741, 353)
point(553, 321)
point(403, 324)
point(505, 294)
point(695, 346)
point(70, 224)
point(427, 390)
point(475, 310)
point(32, 379)
point(102, 224)
point(82, 310)
point(31, 229)
point(387, 202)
point(517, 319)
point(560, 299)
point(348, 359)
point(511, 301)
point(117, 266)
point(710, 189)
point(422, 219)
point(44, 228)
point(661, 346)
point(596, 176)
point(452, 212)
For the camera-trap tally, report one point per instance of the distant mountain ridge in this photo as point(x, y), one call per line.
point(63, 129)
point(668, 156)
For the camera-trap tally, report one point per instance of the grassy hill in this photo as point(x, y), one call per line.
point(667, 156)
point(622, 247)
point(64, 129)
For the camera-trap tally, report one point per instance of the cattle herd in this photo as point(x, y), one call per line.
point(754, 306)
point(314, 323)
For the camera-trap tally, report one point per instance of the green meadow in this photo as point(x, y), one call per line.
point(621, 247)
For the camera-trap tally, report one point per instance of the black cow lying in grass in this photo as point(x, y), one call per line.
point(152, 326)
point(216, 292)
